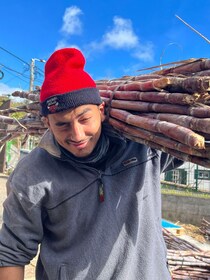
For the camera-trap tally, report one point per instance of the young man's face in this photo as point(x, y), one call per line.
point(77, 130)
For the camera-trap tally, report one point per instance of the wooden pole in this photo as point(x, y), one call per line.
point(5, 105)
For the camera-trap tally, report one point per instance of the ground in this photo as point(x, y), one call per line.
point(194, 232)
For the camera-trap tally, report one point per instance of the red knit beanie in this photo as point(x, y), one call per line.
point(66, 84)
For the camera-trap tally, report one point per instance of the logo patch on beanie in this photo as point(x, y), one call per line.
point(52, 104)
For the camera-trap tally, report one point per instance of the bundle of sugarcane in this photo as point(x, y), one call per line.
point(205, 228)
point(189, 264)
point(166, 110)
point(29, 124)
point(186, 260)
point(175, 243)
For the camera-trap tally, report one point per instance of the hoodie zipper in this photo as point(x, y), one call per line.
point(101, 189)
point(101, 195)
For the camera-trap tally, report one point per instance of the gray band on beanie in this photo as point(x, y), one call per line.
point(70, 100)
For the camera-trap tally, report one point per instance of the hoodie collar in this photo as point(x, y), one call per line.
point(49, 144)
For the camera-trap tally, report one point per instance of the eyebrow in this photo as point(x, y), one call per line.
point(83, 112)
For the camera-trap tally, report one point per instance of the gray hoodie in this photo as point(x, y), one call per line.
point(54, 202)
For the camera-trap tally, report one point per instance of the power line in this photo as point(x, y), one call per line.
point(19, 74)
point(10, 69)
point(1, 74)
point(14, 55)
point(14, 76)
point(193, 29)
point(36, 70)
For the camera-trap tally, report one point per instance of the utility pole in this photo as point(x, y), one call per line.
point(32, 67)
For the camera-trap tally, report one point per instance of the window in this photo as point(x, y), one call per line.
point(178, 176)
point(202, 174)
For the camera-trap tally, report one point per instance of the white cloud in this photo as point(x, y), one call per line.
point(5, 90)
point(71, 21)
point(144, 52)
point(121, 36)
point(64, 44)
point(61, 44)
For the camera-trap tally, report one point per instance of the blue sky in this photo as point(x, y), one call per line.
point(117, 37)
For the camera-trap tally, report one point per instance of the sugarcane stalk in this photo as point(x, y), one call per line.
point(194, 123)
point(159, 97)
point(31, 106)
point(173, 84)
point(7, 112)
point(202, 98)
point(24, 122)
point(205, 228)
point(27, 95)
point(183, 262)
point(8, 137)
point(205, 162)
point(8, 120)
point(181, 134)
point(190, 84)
point(176, 243)
point(25, 139)
point(19, 129)
point(186, 68)
point(146, 107)
point(127, 79)
point(202, 73)
point(206, 222)
point(157, 138)
point(148, 85)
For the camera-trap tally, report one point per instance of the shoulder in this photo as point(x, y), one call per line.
point(165, 160)
point(30, 170)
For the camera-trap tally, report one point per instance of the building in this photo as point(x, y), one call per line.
point(191, 175)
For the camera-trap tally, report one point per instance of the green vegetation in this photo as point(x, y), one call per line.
point(184, 192)
point(17, 115)
point(3, 99)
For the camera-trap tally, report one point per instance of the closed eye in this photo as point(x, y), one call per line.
point(62, 124)
point(83, 120)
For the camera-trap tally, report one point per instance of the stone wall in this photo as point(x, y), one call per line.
point(189, 210)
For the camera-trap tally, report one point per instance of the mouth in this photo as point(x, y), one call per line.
point(78, 145)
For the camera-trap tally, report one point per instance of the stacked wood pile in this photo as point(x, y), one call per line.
point(29, 124)
point(167, 110)
point(185, 260)
point(205, 228)
point(189, 264)
point(175, 243)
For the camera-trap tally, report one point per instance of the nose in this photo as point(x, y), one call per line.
point(77, 133)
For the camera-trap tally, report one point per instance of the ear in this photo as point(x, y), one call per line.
point(46, 122)
point(102, 111)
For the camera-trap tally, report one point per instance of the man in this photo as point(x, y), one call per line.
point(89, 197)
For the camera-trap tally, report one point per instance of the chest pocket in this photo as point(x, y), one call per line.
point(129, 161)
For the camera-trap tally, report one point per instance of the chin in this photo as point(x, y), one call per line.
point(81, 153)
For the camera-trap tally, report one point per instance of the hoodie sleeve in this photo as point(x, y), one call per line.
point(21, 230)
